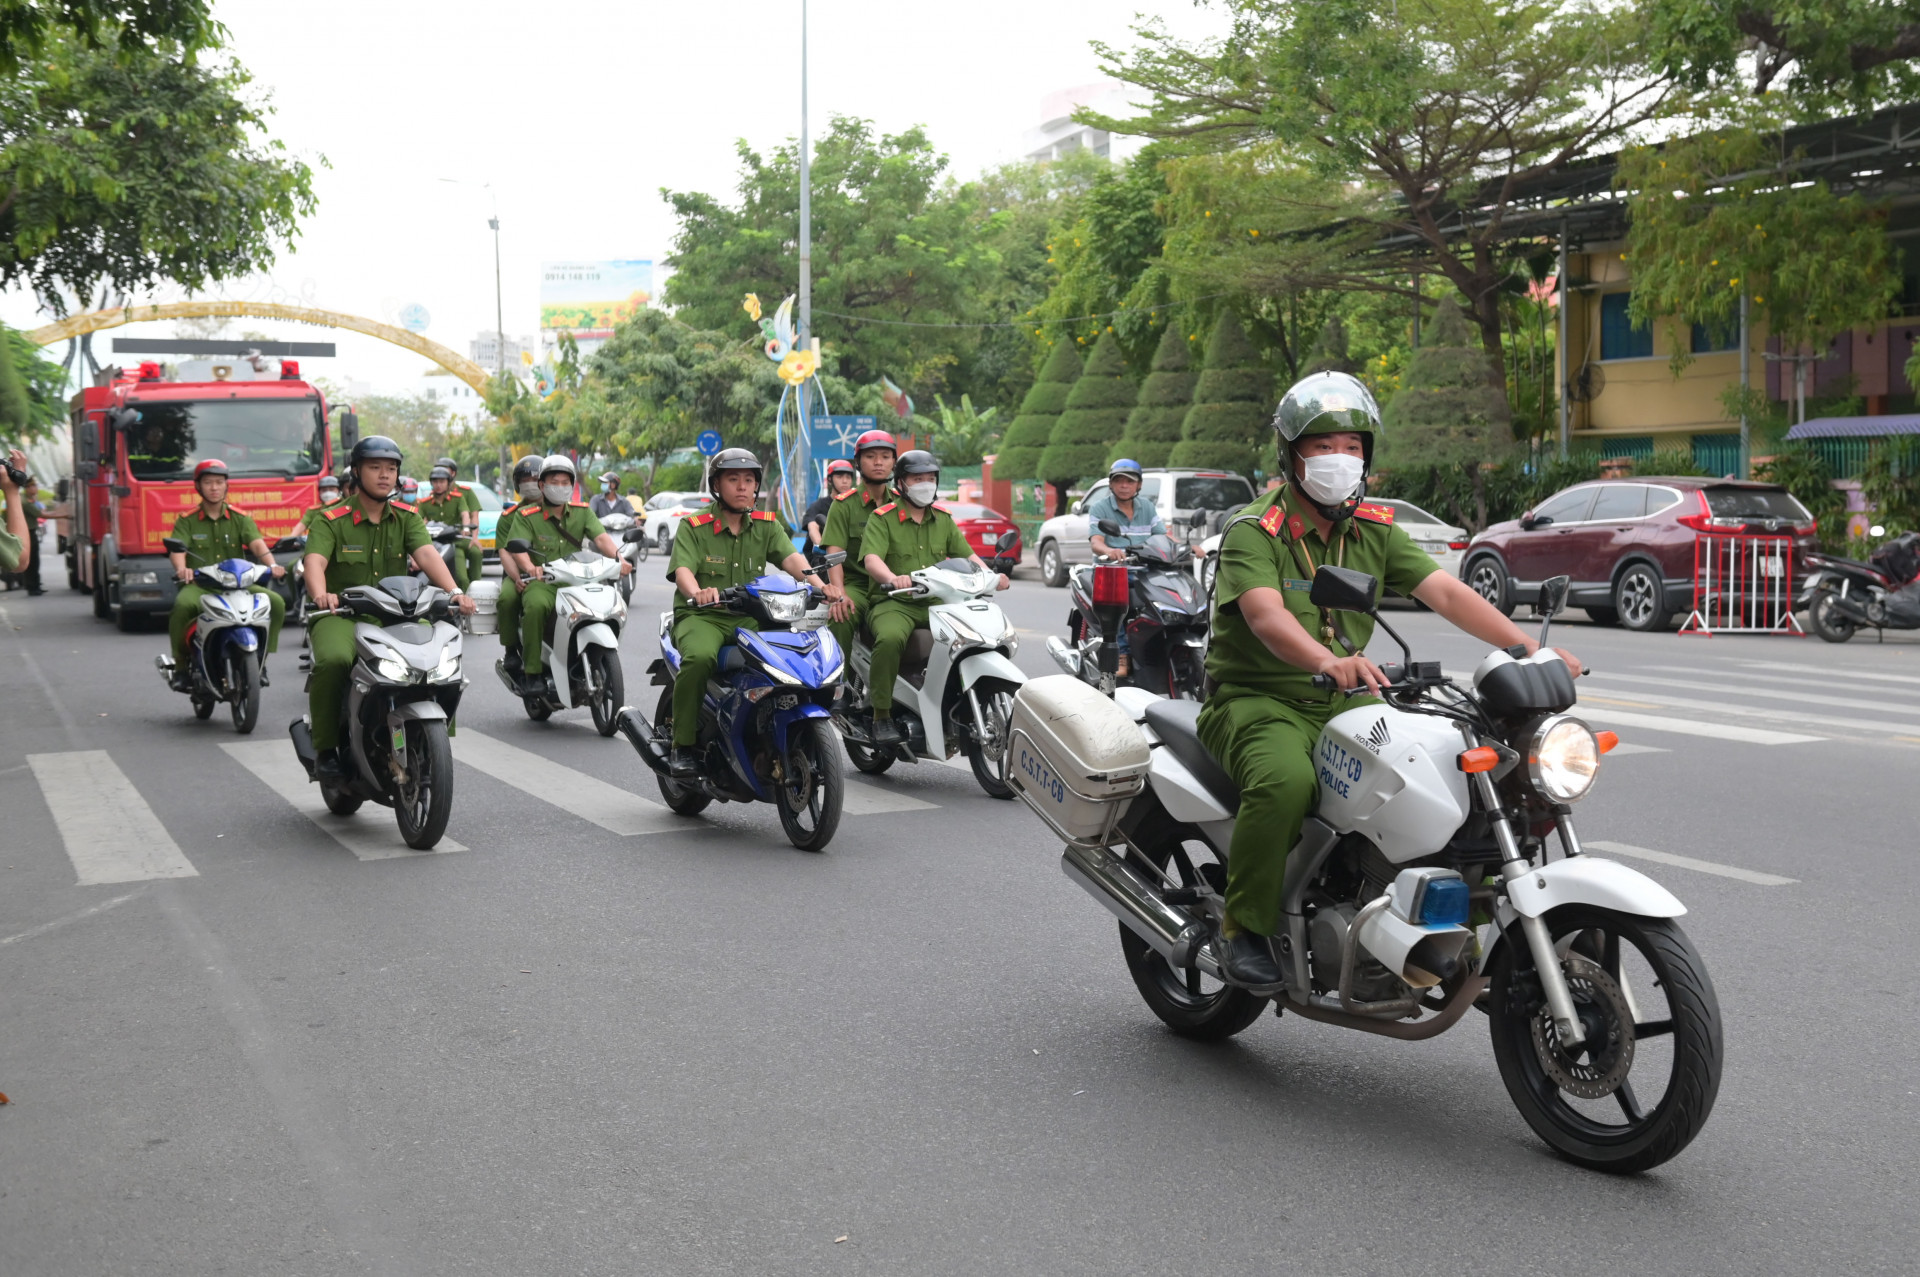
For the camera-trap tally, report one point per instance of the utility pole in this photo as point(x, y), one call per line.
point(806, 196)
point(1746, 388)
point(499, 323)
point(1563, 356)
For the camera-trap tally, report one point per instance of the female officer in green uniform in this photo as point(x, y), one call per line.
point(1265, 715)
point(214, 531)
point(367, 536)
point(555, 526)
point(726, 546)
point(847, 583)
point(900, 539)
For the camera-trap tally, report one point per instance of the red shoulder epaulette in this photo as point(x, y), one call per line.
point(581, 504)
point(1277, 519)
point(1372, 513)
point(531, 507)
point(401, 505)
point(942, 509)
point(765, 516)
point(888, 506)
point(699, 520)
point(234, 509)
point(850, 492)
point(340, 511)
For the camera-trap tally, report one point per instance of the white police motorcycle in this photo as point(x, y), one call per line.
point(227, 642)
point(956, 684)
point(584, 646)
point(1425, 885)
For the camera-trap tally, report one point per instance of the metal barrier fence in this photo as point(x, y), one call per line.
point(1742, 585)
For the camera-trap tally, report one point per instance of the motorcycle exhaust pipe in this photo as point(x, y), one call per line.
point(639, 734)
point(1064, 655)
point(1111, 881)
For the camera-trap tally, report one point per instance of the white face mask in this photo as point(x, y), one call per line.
point(922, 494)
point(530, 491)
point(557, 493)
point(1331, 479)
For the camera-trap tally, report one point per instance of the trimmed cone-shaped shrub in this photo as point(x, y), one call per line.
point(1032, 426)
point(1096, 415)
point(1329, 353)
point(1229, 426)
point(1447, 413)
point(1153, 427)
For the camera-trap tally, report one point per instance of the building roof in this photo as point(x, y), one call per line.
point(1900, 423)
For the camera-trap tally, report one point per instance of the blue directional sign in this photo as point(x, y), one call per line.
point(833, 436)
point(708, 442)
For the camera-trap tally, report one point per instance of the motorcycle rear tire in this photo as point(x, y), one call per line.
point(243, 684)
point(868, 761)
point(611, 689)
point(1824, 619)
point(339, 801)
point(203, 706)
point(1178, 997)
point(422, 809)
point(813, 828)
point(682, 800)
point(1693, 1076)
point(537, 709)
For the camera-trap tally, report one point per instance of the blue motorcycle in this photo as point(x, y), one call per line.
point(766, 733)
point(227, 642)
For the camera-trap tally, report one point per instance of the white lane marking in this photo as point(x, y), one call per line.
point(369, 833)
point(1669, 701)
point(1601, 716)
point(1762, 693)
point(1831, 671)
point(1793, 680)
point(860, 798)
point(590, 798)
point(1628, 747)
point(110, 832)
point(88, 912)
point(1753, 876)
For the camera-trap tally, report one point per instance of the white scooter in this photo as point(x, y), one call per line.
point(1425, 885)
point(956, 685)
point(584, 643)
point(632, 550)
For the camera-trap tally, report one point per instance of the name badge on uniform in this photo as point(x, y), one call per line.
point(716, 560)
point(352, 548)
point(1288, 583)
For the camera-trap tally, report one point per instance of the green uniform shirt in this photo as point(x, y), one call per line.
point(449, 508)
point(1270, 543)
point(316, 513)
point(845, 527)
point(554, 531)
point(9, 552)
point(211, 540)
point(906, 546)
point(719, 558)
point(359, 551)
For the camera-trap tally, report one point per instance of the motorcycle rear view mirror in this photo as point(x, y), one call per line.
point(349, 430)
point(1007, 541)
point(1109, 527)
point(634, 534)
point(446, 536)
point(520, 545)
point(1343, 589)
point(173, 545)
point(833, 558)
point(1553, 598)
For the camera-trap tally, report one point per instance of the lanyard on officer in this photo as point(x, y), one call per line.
point(1327, 632)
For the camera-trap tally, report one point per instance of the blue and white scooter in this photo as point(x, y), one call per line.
point(227, 642)
point(766, 731)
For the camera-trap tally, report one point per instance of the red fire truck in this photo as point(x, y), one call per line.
point(136, 439)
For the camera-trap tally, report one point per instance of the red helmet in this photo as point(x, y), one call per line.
point(841, 466)
point(212, 465)
point(874, 439)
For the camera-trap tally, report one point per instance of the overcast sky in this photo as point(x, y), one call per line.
point(577, 114)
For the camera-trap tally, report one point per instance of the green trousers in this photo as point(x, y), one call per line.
point(698, 637)
point(330, 639)
point(892, 623)
point(469, 562)
point(1266, 745)
point(508, 612)
point(186, 608)
point(843, 631)
point(536, 608)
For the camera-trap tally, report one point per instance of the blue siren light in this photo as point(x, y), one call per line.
point(1444, 903)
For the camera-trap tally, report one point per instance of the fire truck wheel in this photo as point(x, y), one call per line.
point(100, 608)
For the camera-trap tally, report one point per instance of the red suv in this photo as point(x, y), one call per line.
point(1627, 544)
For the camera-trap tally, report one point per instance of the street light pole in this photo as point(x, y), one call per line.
point(806, 195)
point(499, 322)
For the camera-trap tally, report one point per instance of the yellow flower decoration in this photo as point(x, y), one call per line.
point(797, 367)
point(1255, 234)
point(752, 306)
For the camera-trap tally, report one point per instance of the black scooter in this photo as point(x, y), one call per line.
point(1154, 595)
point(1845, 595)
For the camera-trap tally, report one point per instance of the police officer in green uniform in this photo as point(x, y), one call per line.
point(16, 541)
point(449, 503)
point(215, 531)
point(848, 584)
point(1265, 715)
point(729, 544)
point(555, 526)
point(329, 498)
point(369, 535)
point(900, 538)
point(526, 484)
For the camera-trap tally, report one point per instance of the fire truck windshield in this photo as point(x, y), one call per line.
point(254, 437)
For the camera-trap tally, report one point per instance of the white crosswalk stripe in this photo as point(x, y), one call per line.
point(614, 809)
point(863, 798)
point(1601, 715)
point(368, 834)
point(110, 832)
point(1735, 872)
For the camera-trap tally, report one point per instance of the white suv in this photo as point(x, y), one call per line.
point(1177, 494)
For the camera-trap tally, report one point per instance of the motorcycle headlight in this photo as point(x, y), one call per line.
point(393, 670)
point(448, 669)
point(1563, 758)
point(785, 607)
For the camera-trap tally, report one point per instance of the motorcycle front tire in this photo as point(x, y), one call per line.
point(422, 807)
point(243, 689)
point(997, 699)
point(1824, 619)
point(682, 800)
point(610, 689)
point(812, 827)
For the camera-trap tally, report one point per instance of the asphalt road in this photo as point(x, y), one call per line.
point(570, 1050)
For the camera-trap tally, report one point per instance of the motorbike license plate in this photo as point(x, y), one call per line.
point(400, 740)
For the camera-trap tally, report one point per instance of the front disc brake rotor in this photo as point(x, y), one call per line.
point(1608, 1050)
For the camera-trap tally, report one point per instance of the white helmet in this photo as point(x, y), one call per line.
point(559, 461)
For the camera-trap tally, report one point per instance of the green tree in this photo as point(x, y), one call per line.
point(1229, 425)
point(124, 167)
point(1105, 258)
point(418, 424)
point(26, 25)
point(964, 435)
point(1821, 52)
point(40, 382)
point(1096, 414)
point(1032, 426)
point(1446, 416)
point(1441, 115)
point(1153, 427)
point(1329, 351)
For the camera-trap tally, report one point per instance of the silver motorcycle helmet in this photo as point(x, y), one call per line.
point(1327, 403)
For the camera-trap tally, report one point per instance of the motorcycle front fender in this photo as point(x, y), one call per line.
point(1590, 880)
point(989, 663)
point(784, 720)
point(398, 715)
point(597, 634)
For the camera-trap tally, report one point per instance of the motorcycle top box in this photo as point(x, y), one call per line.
point(486, 608)
point(1077, 758)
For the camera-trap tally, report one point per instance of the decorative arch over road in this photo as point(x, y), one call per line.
point(94, 321)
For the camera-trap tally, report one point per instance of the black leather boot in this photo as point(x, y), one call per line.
point(328, 766)
point(682, 762)
point(886, 732)
point(1247, 961)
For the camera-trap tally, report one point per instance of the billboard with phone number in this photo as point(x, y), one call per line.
point(587, 299)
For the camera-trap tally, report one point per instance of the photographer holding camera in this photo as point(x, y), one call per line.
point(16, 543)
